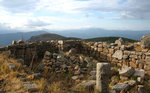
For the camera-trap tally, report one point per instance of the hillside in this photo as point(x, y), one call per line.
point(6, 39)
point(109, 39)
point(46, 37)
point(49, 36)
point(98, 32)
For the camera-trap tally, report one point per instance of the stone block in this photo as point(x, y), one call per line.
point(118, 54)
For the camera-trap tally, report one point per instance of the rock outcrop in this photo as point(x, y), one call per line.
point(145, 41)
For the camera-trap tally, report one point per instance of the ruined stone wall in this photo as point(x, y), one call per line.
point(120, 54)
point(115, 54)
point(31, 51)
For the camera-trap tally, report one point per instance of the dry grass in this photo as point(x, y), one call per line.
point(13, 85)
point(138, 48)
point(55, 87)
point(4, 69)
point(41, 84)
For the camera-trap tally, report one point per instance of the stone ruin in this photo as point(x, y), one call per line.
point(117, 54)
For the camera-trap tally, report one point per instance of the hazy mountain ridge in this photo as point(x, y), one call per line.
point(6, 39)
point(46, 37)
point(109, 39)
point(97, 32)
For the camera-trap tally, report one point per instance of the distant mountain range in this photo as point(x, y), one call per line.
point(46, 37)
point(110, 39)
point(97, 32)
point(6, 38)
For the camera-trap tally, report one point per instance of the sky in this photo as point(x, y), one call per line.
point(29, 15)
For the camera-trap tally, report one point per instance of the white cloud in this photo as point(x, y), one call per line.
point(37, 23)
point(4, 27)
point(133, 8)
point(19, 6)
point(22, 14)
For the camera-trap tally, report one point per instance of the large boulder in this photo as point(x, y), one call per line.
point(14, 42)
point(139, 73)
point(126, 71)
point(145, 41)
point(20, 42)
point(118, 54)
point(121, 87)
point(119, 42)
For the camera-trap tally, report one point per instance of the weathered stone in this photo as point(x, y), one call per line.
point(102, 77)
point(111, 51)
point(139, 53)
point(2, 91)
point(126, 71)
point(74, 77)
point(147, 58)
point(127, 52)
point(88, 85)
point(37, 75)
point(117, 48)
point(141, 65)
point(112, 91)
point(141, 89)
point(125, 56)
point(105, 50)
point(133, 64)
point(100, 45)
point(20, 42)
point(139, 73)
point(131, 83)
point(124, 78)
point(40, 67)
point(122, 47)
point(113, 44)
point(21, 61)
point(118, 54)
point(77, 72)
point(114, 71)
point(140, 79)
point(106, 45)
point(72, 51)
point(133, 56)
point(100, 49)
point(121, 87)
point(11, 66)
point(126, 62)
point(31, 87)
point(147, 53)
point(145, 41)
point(76, 67)
point(55, 55)
point(119, 42)
point(147, 66)
point(47, 55)
point(129, 47)
point(14, 42)
point(93, 73)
